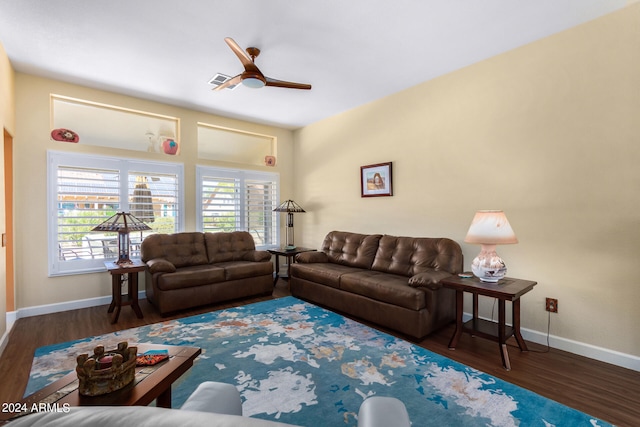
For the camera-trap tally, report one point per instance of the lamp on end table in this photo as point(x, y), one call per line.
point(290, 207)
point(122, 223)
point(490, 228)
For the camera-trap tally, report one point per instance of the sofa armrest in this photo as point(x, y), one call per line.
point(160, 265)
point(428, 279)
point(312, 256)
point(257, 256)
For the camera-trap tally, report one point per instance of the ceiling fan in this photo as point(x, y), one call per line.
point(252, 77)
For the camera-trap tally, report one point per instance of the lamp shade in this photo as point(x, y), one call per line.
point(490, 228)
point(289, 206)
point(122, 222)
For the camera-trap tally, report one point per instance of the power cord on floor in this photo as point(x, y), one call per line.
point(548, 334)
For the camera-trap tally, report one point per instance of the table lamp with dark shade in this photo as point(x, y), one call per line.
point(122, 223)
point(290, 207)
point(490, 228)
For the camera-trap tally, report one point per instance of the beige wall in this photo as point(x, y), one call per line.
point(549, 132)
point(7, 123)
point(33, 287)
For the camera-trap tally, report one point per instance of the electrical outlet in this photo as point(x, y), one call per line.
point(552, 305)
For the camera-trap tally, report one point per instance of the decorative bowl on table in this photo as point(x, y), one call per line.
point(106, 371)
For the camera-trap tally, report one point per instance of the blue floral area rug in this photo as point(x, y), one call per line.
point(297, 363)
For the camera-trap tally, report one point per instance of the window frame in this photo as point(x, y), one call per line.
point(125, 166)
point(243, 175)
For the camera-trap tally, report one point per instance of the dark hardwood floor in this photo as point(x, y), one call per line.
point(600, 389)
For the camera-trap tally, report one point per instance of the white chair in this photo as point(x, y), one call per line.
point(378, 411)
point(221, 398)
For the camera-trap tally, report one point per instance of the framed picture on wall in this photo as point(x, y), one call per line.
point(376, 180)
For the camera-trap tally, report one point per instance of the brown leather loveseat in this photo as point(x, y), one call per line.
point(390, 281)
point(189, 269)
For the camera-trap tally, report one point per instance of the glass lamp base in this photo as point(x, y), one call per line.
point(488, 266)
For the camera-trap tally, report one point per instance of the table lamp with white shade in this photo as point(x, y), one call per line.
point(490, 228)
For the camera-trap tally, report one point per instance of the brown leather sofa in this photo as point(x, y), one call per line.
point(390, 281)
point(190, 269)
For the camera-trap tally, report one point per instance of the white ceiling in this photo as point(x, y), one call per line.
point(351, 51)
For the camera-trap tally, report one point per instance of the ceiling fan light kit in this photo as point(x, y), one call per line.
point(252, 77)
point(254, 81)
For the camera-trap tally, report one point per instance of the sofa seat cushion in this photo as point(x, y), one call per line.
point(185, 277)
point(235, 270)
point(322, 272)
point(384, 287)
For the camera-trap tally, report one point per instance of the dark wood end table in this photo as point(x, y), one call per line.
point(151, 383)
point(507, 289)
point(289, 254)
point(117, 301)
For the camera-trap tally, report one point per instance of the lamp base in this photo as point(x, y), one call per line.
point(488, 266)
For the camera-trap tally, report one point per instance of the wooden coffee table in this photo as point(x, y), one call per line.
point(151, 383)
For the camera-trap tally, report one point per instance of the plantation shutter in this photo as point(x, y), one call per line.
point(220, 204)
point(233, 200)
point(154, 199)
point(261, 199)
point(86, 198)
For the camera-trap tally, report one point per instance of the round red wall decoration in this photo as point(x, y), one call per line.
point(64, 135)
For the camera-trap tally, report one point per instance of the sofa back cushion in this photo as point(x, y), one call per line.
point(228, 246)
point(408, 256)
point(351, 249)
point(180, 249)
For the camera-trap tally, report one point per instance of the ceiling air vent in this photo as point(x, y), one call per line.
point(219, 79)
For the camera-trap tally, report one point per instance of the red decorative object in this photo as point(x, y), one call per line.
point(169, 146)
point(150, 359)
point(270, 160)
point(105, 361)
point(64, 135)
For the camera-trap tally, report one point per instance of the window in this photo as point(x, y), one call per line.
point(231, 200)
point(86, 190)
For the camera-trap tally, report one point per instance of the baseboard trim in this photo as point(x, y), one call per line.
point(602, 354)
point(4, 340)
point(613, 357)
point(63, 306)
point(11, 319)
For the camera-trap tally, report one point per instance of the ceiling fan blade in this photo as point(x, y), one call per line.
point(290, 85)
point(241, 54)
point(232, 81)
